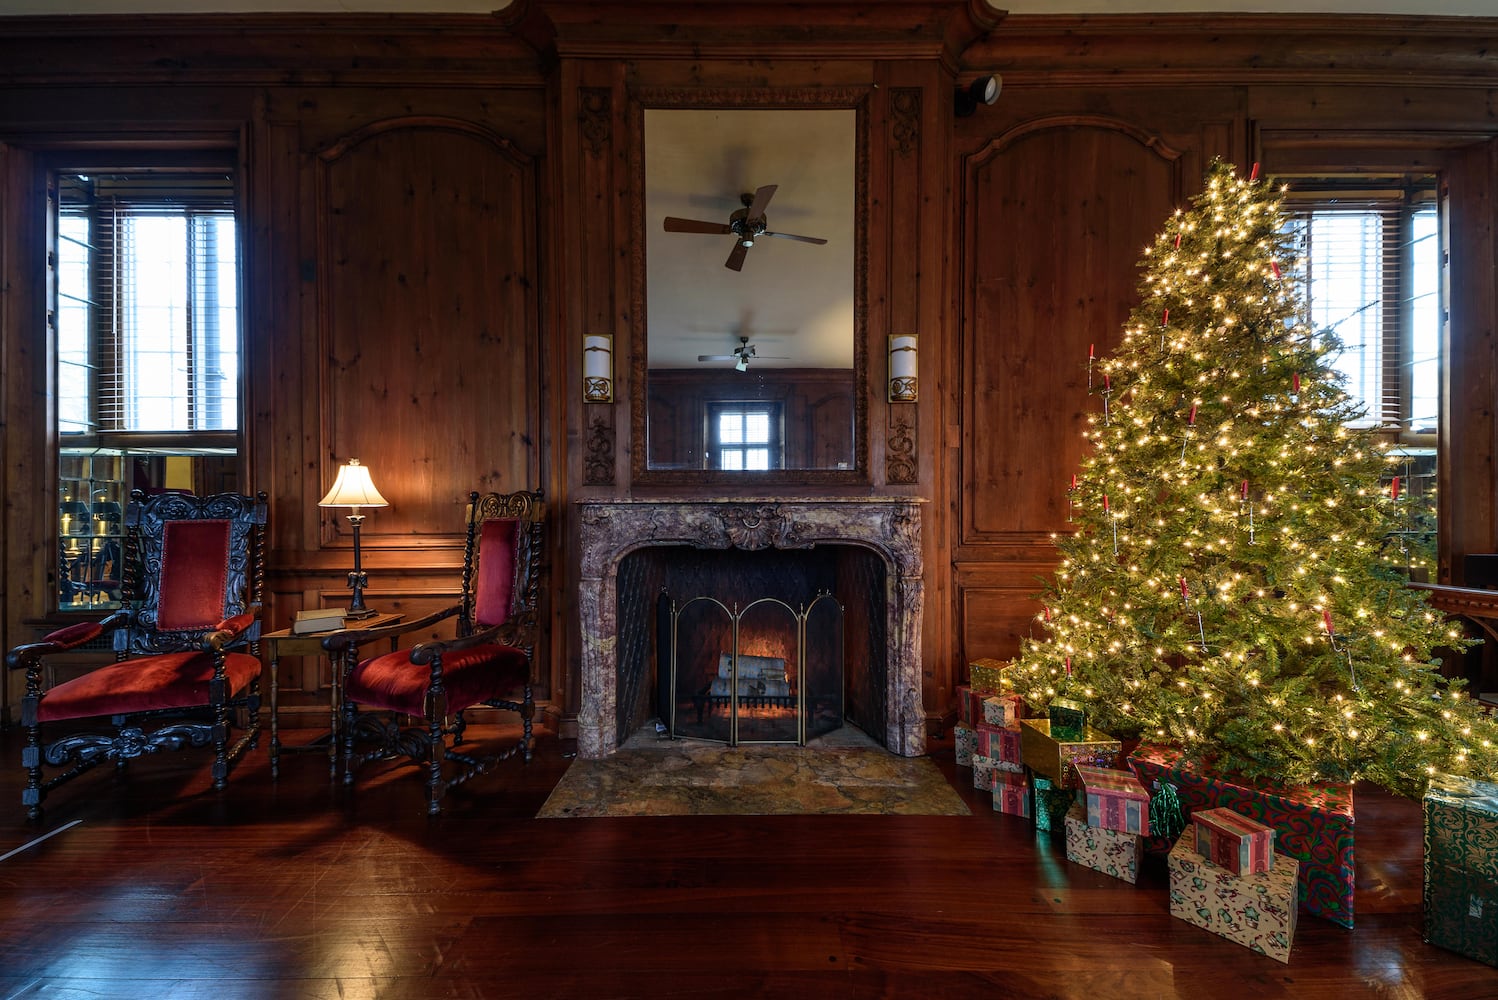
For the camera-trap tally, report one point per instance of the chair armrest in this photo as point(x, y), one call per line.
point(230, 629)
point(506, 634)
point(349, 638)
point(63, 639)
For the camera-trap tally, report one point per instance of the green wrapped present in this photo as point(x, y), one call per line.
point(1051, 804)
point(1461, 866)
point(1068, 718)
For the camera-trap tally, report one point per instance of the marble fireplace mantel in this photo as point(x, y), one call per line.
point(611, 529)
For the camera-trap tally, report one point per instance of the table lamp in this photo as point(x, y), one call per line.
point(354, 489)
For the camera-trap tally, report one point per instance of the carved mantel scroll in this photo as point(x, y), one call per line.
point(611, 529)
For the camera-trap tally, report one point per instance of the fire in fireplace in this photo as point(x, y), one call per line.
point(769, 673)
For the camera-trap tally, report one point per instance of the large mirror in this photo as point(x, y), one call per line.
point(750, 330)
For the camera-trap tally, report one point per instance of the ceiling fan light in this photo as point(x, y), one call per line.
point(742, 364)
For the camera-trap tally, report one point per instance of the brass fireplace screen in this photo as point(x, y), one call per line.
point(769, 673)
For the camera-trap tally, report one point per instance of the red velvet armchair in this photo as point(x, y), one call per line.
point(487, 662)
point(186, 647)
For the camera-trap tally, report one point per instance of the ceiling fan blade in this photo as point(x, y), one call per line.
point(761, 199)
point(717, 357)
point(736, 256)
point(792, 236)
point(674, 225)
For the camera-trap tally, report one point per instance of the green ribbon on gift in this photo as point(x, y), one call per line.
point(1167, 819)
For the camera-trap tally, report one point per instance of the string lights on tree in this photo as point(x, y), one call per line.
point(1225, 583)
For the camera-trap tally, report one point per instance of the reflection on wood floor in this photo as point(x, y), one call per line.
point(300, 888)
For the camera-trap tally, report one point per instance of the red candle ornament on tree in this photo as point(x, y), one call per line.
point(1394, 488)
point(1091, 351)
point(1253, 174)
point(1165, 319)
point(1105, 503)
point(1274, 266)
point(1326, 617)
point(1068, 666)
point(1244, 490)
point(1191, 417)
point(1107, 382)
point(1295, 383)
point(1178, 241)
point(1073, 481)
point(1184, 593)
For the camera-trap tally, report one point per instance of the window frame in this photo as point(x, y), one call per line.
point(716, 409)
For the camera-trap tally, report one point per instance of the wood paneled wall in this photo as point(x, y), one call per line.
point(439, 208)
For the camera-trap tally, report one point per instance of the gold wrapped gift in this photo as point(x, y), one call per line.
point(987, 674)
point(1044, 754)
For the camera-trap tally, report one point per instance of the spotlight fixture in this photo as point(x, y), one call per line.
point(984, 90)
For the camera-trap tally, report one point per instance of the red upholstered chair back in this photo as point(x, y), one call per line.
point(501, 561)
point(190, 563)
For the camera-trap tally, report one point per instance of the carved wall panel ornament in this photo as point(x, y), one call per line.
point(595, 118)
point(905, 119)
point(900, 462)
point(598, 461)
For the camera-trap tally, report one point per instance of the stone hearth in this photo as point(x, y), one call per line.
point(888, 526)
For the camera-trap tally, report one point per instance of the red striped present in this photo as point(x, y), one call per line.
point(1231, 840)
point(1000, 743)
point(1116, 800)
point(1011, 794)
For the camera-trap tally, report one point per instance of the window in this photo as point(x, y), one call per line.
point(148, 305)
point(145, 307)
point(1374, 270)
point(744, 436)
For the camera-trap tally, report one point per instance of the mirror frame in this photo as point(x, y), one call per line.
point(855, 99)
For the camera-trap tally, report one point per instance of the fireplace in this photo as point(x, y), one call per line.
point(861, 557)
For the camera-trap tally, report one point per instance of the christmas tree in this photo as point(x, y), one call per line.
point(1226, 586)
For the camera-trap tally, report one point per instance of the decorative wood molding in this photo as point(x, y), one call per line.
point(900, 463)
point(595, 118)
point(598, 462)
point(905, 119)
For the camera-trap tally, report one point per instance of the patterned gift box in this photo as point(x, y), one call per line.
point(1233, 841)
point(987, 674)
point(1011, 794)
point(1256, 910)
point(986, 773)
point(1001, 709)
point(1055, 758)
point(1115, 799)
point(1050, 804)
point(1312, 824)
point(965, 742)
point(1111, 852)
point(969, 705)
point(1002, 744)
point(1461, 866)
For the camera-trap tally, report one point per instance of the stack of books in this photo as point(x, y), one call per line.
point(318, 620)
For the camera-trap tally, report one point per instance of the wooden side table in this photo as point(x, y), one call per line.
point(283, 643)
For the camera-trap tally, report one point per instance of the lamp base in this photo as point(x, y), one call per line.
point(354, 616)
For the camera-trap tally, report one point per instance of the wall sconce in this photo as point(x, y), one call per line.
point(984, 90)
point(903, 387)
point(353, 488)
point(598, 368)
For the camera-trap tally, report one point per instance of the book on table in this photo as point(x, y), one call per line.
point(318, 620)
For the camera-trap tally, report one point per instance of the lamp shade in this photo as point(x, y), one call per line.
point(353, 488)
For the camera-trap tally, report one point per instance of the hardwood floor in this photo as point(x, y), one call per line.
point(296, 888)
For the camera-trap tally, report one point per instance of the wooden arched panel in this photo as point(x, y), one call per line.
point(427, 283)
point(1056, 215)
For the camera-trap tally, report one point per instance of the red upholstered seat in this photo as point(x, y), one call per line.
point(187, 664)
point(394, 684)
point(170, 680)
point(487, 663)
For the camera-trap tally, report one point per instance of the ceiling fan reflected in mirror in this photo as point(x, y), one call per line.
point(747, 224)
point(741, 356)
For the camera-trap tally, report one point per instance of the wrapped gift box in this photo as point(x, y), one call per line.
point(1011, 794)
point(986, 773)
point(1231, 840)
point(1312, 824)
point(1256, 910)
point(1068, 718)
point(1111, 852)
point(1055, 758)
point(965, 742)
point(1461, 866)
point(1002, 744)
point(970, 704)
point(1001, 709)
point(1050, 804)
point(987, 674)
point(1115, 799)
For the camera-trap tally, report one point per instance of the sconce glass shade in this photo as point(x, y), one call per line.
point(903, 385)
point(598, 368)
point(353, 488)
